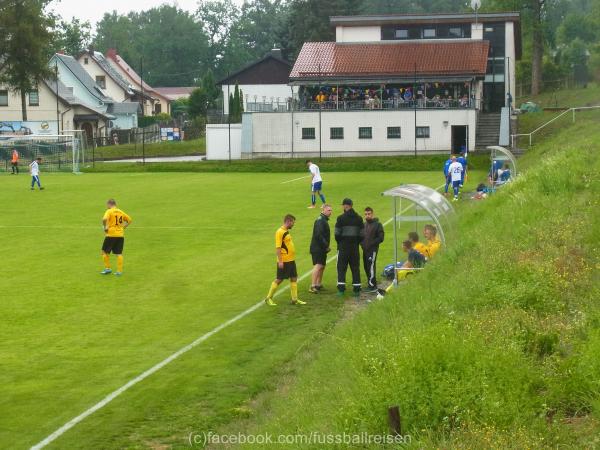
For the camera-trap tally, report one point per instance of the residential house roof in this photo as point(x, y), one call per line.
point(125, 108)
point(111, 72)
point(175, 93)
point(86, 80)
point(112, 55)
point(414, 19)
point(390, 59)
point(270, 69)
point(66, 95)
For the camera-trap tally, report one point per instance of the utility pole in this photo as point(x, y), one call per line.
point(143, 108)
point(57, 105)
point(229, 105)
point(415, 108)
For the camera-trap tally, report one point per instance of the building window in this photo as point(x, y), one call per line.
point(101, 81)
point(34, 98)
point(308, 133)
point(428, 33)
point(365, 133)
point(422, 132)
point(401, 34)
point(455, 32)
point(3, 97)
point(85, 61)
point(157, 108)
point(393, 132)
point(336, 133)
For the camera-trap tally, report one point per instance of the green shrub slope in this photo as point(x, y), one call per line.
point(495, 345)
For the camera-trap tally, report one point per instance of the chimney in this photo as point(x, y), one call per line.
point(60, 52)
point(276, 52)
point(91, 50)
point(111, 53)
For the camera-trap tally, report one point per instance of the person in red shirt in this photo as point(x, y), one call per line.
point(14, 162)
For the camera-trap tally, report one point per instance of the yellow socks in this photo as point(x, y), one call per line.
point(120, 263)
point(274, 287)
point(294, 289)
point(106, 260)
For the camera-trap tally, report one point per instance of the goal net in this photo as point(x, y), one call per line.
point(59, 153)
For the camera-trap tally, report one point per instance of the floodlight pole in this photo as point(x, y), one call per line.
point(229, 105)
point(415, 108)
point(395, 241)
point(57, 104)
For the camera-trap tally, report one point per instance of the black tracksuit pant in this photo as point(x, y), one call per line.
point(370, 265)
point(348, 256)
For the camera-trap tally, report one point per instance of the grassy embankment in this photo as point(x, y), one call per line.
point(495, 345)
point(168, 148)
point(365, 164)
point(571, 98)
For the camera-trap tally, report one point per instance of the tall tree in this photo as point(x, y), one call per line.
point(172, 44)
point(73, 36)
point(26, 48)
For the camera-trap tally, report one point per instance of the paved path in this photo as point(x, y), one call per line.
point(160, 159)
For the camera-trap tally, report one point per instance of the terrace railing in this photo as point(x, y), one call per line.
point(391, 104)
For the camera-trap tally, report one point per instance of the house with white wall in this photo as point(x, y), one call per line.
point(52, 108)
point(395, 84)
point(84, 88)
point(152, 101)
point(264, 84)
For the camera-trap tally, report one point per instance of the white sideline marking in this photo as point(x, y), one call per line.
point(110, 397)
point(296, 179)
point(99, 227)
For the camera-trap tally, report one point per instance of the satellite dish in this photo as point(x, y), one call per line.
point(475, 4)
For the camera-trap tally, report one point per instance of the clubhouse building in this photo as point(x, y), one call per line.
point(388, 85)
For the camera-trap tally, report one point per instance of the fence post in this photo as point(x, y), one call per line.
point(530, 136)
point(394, 420)
point(573, 115)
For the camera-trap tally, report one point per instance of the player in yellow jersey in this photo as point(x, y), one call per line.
point(286, 264)
point(114, 221)
point(433, 242)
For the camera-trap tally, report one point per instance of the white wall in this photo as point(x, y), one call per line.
point(510, 78)
point(357, 34)
point(272, 132)
point(113, 90)
point(261, 93)
point(477, 31)
point(217, 141)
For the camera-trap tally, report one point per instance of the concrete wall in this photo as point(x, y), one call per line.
point(357, 34)
point(274, 133)
point(217, 141)
point(261, 93)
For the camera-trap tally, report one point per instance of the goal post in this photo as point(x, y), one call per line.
point(59, 153)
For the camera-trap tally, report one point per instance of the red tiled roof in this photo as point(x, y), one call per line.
point(174, 93)
point(401, 59)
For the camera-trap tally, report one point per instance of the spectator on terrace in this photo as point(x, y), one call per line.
point(464, 101)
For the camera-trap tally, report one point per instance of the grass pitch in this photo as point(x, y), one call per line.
point(199, 251)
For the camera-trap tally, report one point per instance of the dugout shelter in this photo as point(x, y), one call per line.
point(415, 204)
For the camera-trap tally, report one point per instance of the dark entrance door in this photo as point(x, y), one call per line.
point(459, 138)
point(493, 97)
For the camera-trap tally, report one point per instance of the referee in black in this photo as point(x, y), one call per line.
point(349, 233)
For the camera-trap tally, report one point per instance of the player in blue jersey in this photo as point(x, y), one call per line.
point(462, 159)
point(446, 174)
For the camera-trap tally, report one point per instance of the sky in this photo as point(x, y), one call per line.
point(93, 10)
